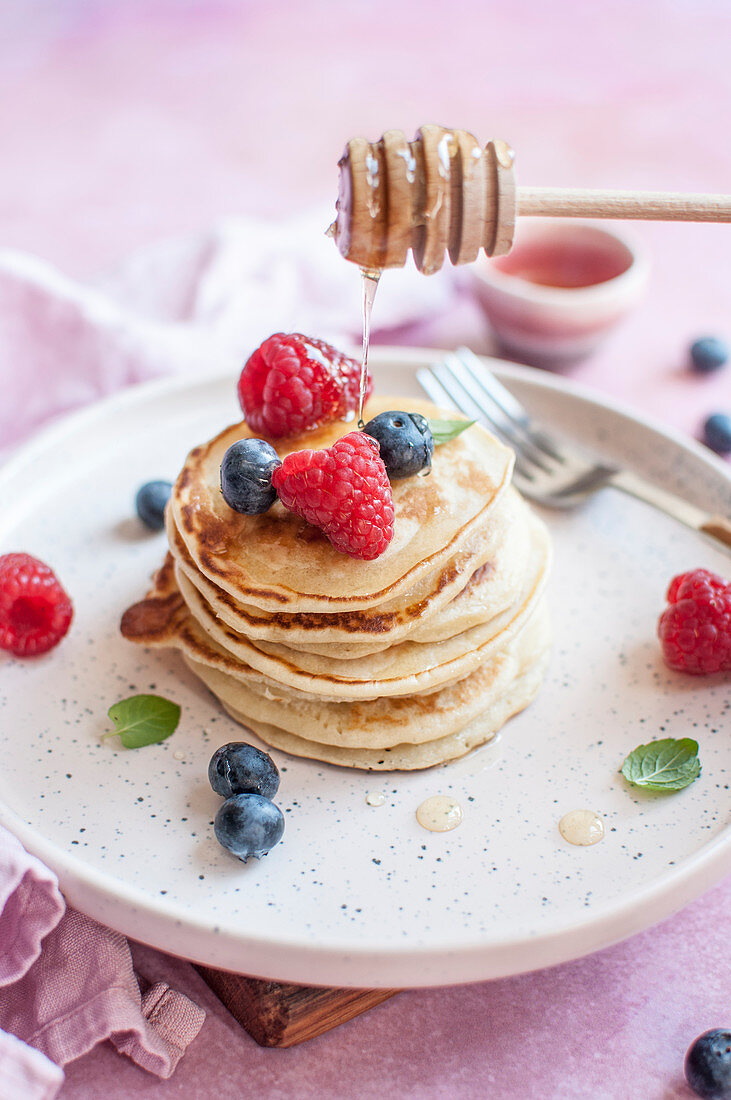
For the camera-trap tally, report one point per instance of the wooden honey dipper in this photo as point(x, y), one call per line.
point(444, 192)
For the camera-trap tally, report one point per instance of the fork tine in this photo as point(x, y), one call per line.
point(486, 383)
point(502, 397)
point(472, 398)
point(457, 392)
point(447, 391)
point(434, 389)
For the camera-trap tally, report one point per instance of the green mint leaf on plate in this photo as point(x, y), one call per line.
point(143, 720)
point(444, 430)
point(666, 765)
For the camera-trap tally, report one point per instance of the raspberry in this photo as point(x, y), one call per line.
point(294, 382)
point(695, 630)
point(698, 584)
point(345, 491)
point(35, 611)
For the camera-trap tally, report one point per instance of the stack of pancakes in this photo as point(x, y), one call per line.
point(399, 663)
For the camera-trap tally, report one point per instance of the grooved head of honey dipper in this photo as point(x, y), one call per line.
point(361, 223)
point(343, 207)
point(439, 194)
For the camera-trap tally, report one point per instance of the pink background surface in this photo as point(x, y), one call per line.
point(123, 124)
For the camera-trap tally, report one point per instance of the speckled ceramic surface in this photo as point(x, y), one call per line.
point(356, 893)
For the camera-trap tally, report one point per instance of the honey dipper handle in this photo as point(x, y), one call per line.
point(647, 205)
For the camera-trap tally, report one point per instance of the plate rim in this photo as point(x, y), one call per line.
point(135, 392)
point(662, 897)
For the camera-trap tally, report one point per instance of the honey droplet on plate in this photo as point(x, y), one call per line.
point(581, 827)
point(439, 814)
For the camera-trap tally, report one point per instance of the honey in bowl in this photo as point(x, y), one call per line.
point(581, 259)
point(560, 290)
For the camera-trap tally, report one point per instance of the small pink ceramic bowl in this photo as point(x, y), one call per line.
point(560, 289)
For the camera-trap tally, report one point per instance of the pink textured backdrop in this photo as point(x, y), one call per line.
point(124, 123)
point(121, 124)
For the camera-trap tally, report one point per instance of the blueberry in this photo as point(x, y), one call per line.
point(405, 440)
point(150, 503)
point(249, 825)
point(708, 354)
point(708, 1065)
point(717, 433)
point(246, 476)
point(238, 768)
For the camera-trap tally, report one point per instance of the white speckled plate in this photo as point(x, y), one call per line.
point(357, 894)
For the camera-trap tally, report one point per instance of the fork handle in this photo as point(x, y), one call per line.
point(716, 527)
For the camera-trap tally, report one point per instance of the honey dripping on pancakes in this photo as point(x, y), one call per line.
point(369, 281)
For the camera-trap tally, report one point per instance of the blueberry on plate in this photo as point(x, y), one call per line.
point(249, 825)
point(708, 1065)
point(246, 476)
point(239, 768)
point(708, 354)
point(405, 440)
point(150, 503)
point(717, 433)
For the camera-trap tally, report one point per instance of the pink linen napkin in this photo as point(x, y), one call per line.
point(30, 907)
point(67, 983)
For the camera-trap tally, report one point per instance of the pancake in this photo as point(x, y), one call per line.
point(495, 553)
point(278, 562)
point(383, 722)
point(409, 756)
point(403, 662)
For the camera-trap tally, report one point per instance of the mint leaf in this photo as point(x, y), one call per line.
point(444, 430)
point(143, 720)
point(666, 765)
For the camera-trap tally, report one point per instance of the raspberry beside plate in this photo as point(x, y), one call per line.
point(35, 610)
point(695, 629)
